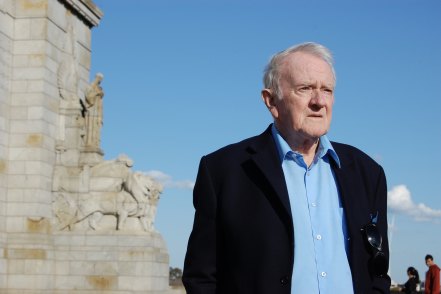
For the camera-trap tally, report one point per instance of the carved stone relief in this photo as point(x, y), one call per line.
point(91, 193)
point(120, 193)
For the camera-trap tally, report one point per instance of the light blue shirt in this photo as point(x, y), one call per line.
point(320, 252)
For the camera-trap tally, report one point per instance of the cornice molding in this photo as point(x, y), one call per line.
point(86, 9)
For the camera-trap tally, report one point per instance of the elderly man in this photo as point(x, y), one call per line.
point(289, 211)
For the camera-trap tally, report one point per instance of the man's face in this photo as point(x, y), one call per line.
point(307, 88)
point(429, 262)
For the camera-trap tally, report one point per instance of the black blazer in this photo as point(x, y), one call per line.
point(243, 239)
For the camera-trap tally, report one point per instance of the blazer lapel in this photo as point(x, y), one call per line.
point(347, 188)
point(264, 156)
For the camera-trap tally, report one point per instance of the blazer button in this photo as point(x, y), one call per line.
point(284, 280)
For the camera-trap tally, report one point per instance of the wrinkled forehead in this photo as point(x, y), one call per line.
point(308, 67)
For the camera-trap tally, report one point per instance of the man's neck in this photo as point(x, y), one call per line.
point(306, 147)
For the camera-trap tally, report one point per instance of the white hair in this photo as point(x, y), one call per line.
point(271, 74)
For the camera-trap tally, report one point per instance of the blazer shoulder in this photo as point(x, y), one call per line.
point(348, 153)
point(242, 148)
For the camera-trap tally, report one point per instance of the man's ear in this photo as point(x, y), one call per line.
point(270, 101)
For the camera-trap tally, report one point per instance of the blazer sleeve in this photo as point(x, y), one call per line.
point(199, 275)
point(381, 284)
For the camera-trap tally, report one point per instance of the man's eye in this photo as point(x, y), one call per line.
point(304, 89)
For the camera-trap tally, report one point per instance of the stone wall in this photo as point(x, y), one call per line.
point(6, 33)
point(49, 166)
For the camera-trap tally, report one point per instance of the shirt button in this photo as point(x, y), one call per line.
point(284, 280)
point(313, 204)
point(319, 237)
point(323, 274)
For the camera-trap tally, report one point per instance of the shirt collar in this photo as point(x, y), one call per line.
point(324, 148)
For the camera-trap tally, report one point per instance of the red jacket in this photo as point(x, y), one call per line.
point(432, 285)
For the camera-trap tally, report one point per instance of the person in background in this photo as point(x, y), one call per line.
point(289, 211)
point(411, 286)
point(432, 283)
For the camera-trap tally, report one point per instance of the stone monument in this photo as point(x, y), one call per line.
point(70, 221)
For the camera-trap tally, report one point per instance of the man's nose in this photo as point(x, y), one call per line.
point(318, 98)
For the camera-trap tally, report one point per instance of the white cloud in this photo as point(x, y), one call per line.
point(400, 200)
point(168, 182)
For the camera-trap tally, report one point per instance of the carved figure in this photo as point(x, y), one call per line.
point(65, 210)
point(94, 114)
point(146, 211)
point(137, 196)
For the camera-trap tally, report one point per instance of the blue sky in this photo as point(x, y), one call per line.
point(183, 78)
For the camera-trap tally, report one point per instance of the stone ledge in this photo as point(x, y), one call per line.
point(87, 10)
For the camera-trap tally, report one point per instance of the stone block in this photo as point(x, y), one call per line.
point(35, 86)
point(107, 268)
point(29, 282)
point(81, 267)
point(36, 60)
point(69, 282)
point(28, 73)
point(26, 253)
point(58, 14)
point(43, 114)
point(31, 154)
point(130, 268)
point(28, 210)
point(62, 267)
point(38, 28)
point(38, 225)
point(3, 166)
point(52, 66)
point(16, 266)
point(17, 168)
point(100, 241)
point(15, 195)
point(20, 86)
point(76, 241)
point(39, 168)
point(102, 282)
point(35, 241)
point(20, 60)
point(54, 52)
point(18, 140)
point(31, 8)
point(83, 35)
point(32, 127)
point(57, 35)
point(134, 283)
point(29, 181)
point(68, 255)
point(29, 47)
point(35, 99)
point(2, 123)
point(22, 29)
point(84, 57)
point(38, 267)
point(101, 255)
point(51, 90)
